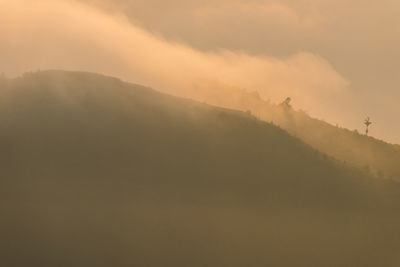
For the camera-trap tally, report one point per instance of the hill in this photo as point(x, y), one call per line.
point(98, 172)
point(380, 158)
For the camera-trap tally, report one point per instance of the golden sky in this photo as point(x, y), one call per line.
point(337, 59)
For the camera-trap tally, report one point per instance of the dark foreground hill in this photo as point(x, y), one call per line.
point(97, 172)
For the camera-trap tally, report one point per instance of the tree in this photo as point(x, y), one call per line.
point(286, 103)
point(367, 123)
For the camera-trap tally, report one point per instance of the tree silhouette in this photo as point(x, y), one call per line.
point(367, 123)
point(286, 103)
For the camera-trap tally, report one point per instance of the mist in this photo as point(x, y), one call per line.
point(74, 36)
point(99, 172)
point(128, 143)
point(360, 39)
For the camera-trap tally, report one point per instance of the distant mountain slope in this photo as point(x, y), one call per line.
point(97, 172)
point(381, 158)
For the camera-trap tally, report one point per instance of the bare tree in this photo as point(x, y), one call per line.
point(367, 123)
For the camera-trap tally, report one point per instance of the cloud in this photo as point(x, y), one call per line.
point(359, 38)
point(254, 25)
point(44, 34)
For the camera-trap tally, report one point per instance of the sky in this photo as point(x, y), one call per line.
point(337, 59)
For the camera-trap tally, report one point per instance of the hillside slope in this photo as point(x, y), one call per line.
point(97, 172)
point(380, 158)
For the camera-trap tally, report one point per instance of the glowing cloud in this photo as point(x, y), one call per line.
point(68, 35)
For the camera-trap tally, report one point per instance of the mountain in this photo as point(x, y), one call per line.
point(98, 172)
point(378, 157)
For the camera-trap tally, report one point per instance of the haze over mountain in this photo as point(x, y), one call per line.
point(98, 172)
point(251, 150)
point(360, 39)
point(337, 59)
point(353, 147)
